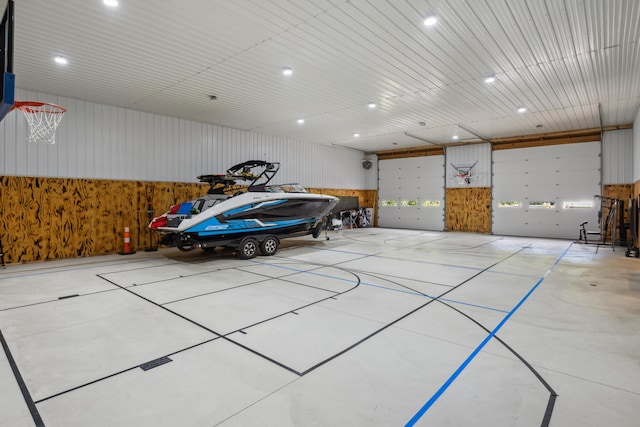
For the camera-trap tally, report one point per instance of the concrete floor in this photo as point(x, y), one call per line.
point(374, 327)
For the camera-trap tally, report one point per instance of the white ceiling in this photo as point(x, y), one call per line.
point(559, 58)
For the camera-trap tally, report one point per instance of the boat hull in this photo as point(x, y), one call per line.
point(255, 215)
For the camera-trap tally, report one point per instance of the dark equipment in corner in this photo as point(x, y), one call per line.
point(342, 213)
point(610, 206)
point(2, 256)
point(150, 248)
point(615, 227)
point(632, 247)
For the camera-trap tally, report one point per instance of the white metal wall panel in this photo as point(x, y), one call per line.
point(106, 142)
point(559, 173)
point(415, 178)
point(470, 154)
point(372, 173)
point(617, 157)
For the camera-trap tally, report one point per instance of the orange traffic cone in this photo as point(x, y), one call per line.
point(127, 243)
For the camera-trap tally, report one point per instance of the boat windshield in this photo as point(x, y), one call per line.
point(286, 188)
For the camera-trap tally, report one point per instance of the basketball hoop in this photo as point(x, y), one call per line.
point(462, 178)
point(43, 119)
point(463, 173)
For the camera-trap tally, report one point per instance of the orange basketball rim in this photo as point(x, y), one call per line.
point(43, 119)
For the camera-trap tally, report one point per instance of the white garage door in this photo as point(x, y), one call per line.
point(411, 193)
point(546, 191)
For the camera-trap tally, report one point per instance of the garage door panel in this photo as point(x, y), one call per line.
point(575, 193)
point(571, 166)
point(573, 217)
point(573, 180)
point(543, 224)
point(419, 218)
point(409, 214)
point(509, 192)
point(413, 179)
point(543, 230)
point(400, 194)
point(562, 164)
point(537, 179)
point(577, 180)
point(514, 167)
point(392, 164)
point(392, 217)
point(579, 163)
point(413, 183)
point(549, 190)
point(556, 174)
point(411, 218)
point(507, 221)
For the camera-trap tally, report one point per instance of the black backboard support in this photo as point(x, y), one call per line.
point(8, 79)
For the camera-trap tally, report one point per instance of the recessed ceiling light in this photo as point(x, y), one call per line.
point(59, 59)
point(372, 105)
point(430, 20)
point(110, 3)
point(356, 135)
point(490, 79)
point(300, 120)
point(287, 71)
point(522, 109)
point(455, 137)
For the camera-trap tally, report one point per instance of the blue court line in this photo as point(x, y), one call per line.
point(432, 297)
point(380, 287)
point(475, 352)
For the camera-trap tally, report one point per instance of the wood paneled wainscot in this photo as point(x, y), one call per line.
point(54, 218)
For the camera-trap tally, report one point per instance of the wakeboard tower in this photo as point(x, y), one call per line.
point(253, 219)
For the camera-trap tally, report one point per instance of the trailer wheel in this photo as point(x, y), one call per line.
point(269, 246)
point(248, 248)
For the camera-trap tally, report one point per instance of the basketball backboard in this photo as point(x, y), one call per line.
point(464, 172)
point(7, 82)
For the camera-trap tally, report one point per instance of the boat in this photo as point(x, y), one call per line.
point(251, 218)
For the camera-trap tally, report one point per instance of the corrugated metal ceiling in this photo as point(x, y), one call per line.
point(559, 58)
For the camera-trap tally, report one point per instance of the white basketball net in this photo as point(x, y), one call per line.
point(43, 119)
point(463, 173)
point(462, 179)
